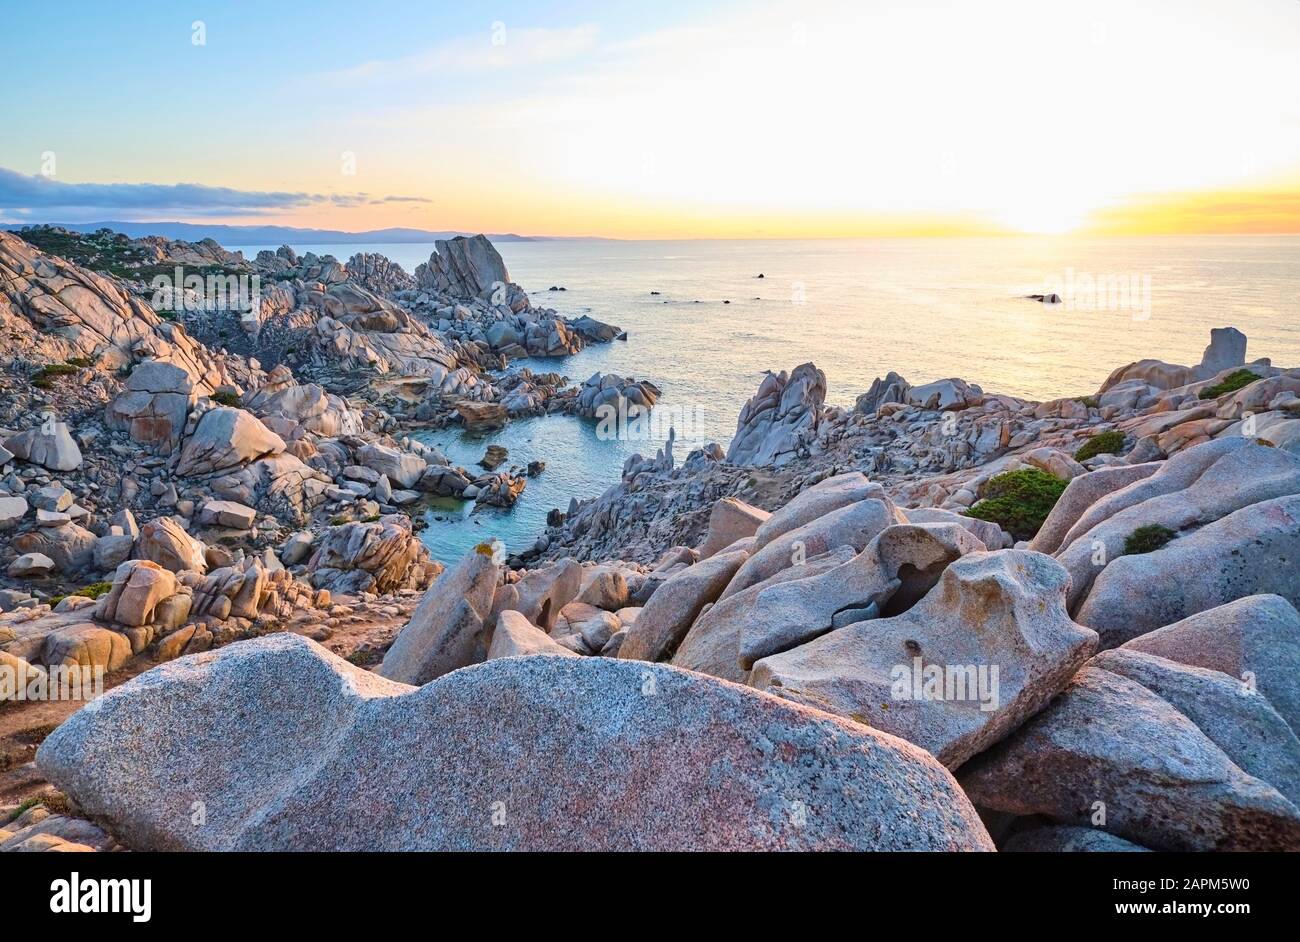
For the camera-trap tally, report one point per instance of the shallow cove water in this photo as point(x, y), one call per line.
point(927, 308)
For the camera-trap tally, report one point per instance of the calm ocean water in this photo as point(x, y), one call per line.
point(926, 308)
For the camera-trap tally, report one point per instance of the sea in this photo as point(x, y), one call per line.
point(705, 319)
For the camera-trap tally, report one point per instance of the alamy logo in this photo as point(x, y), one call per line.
point(76, 895)
point(950, 682)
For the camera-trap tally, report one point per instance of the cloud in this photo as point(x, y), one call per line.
point(500, 49)
point(41, 197)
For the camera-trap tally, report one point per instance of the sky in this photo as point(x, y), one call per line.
point(815, 118)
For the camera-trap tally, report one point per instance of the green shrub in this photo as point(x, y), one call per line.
point(1019, 501)
point(1230, 383)
point(1089, 401)
point(1147, 539)
point(1106, 443)
point(92, 591)
point(80, 363)
point(44, 377)
point(224, 397)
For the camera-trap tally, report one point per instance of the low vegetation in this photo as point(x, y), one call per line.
point(92, 591)
point(44, 377)
point(1147, 539)
point(1230, 383)
point(1019, 501)
point(106, 252)
point(224, 397)
point(1105, 443)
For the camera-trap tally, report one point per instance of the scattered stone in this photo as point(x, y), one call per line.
point(31, 566)
point(227, 513)
point(49, 445)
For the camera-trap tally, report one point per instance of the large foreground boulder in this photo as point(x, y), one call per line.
point(280, 740)
point(985, 650)
point(1166, 755)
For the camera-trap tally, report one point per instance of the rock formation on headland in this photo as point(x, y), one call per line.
point(944, 619)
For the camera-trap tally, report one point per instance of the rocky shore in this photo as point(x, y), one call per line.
point(943, 619)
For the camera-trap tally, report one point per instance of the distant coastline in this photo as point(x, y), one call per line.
point(277, 235)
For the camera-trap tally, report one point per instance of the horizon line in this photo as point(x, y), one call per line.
point(435, 235)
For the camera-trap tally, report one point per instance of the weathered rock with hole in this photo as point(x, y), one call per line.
point(542, 593)
point(985, 650)
point(892, 573)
